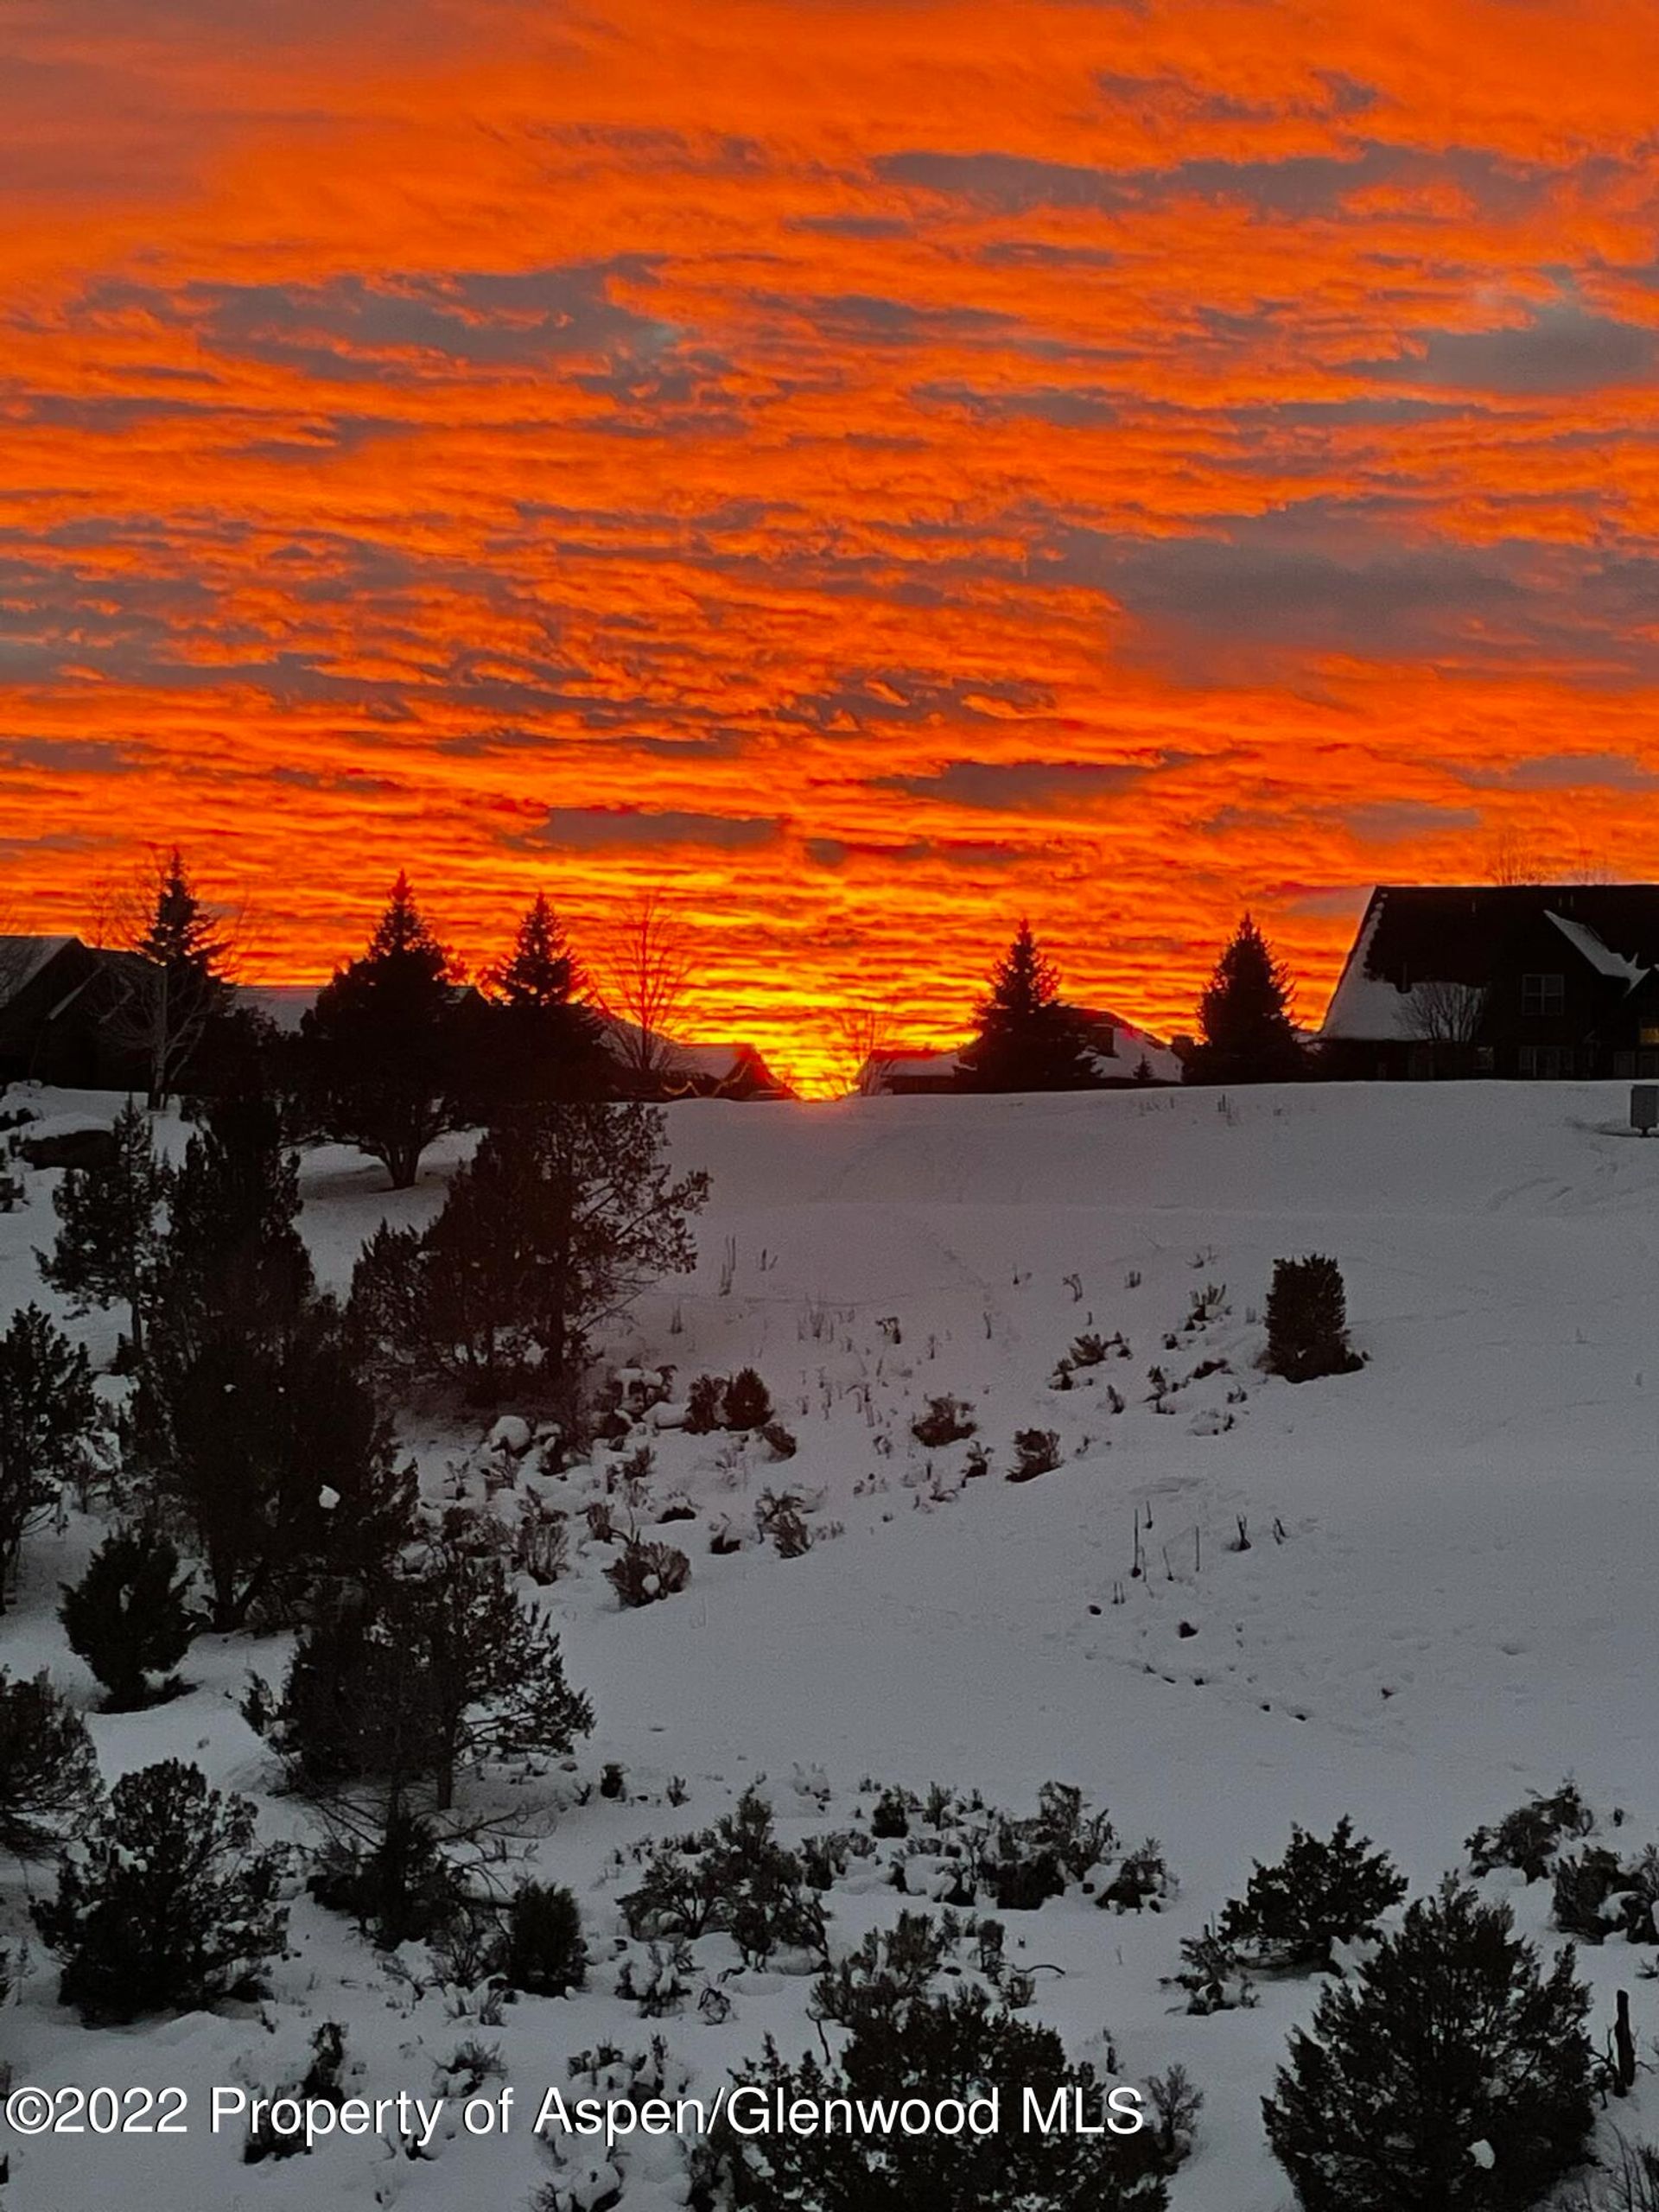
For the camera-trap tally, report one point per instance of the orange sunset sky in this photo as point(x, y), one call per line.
point(868, 470)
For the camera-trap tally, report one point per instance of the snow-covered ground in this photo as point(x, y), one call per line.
point(1446, 1601)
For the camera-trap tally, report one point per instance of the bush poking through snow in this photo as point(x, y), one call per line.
point(1212, 1976)
point(169, 1905)
point(1529, 1838)
point(749, 1401)
point(393, 1878)
point(735, 1878)
point(957, 2046)
point(1036, 1452)
point(647, 1572)
point(1450, 2036)
point(127, 1617)
point(48, 1769)
point(1630, 2182)
point(1307, 1321)
point(544, 1953)
point(947, 1421)
point(1324, 1892)
point(891, 1968)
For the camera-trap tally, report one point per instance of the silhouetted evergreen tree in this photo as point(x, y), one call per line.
point(543, 1041)
point(48, 1769)
point(380, 1052)
point(48, 1417)
point(1308, 1320)
point(169, 1906)
point(1245, 1030)
point(1029, 1039)
point(127, 1617)
point(1449, 2038)
point(565, 1213)
point(426, 1673)
point(268, 1455)
point(180, 987)
point(109, 1238)
point(232, 1254)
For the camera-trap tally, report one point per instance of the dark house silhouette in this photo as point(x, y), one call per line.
point(60, 1008)
point(1530, 981)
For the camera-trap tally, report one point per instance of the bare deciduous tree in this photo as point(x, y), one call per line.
point(856, 1035)
point(1445, 1013)
point(1511, 858)
point(176, 974)
point(645, 978)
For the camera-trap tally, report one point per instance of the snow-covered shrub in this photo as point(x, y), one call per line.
point(169, 1905)
point(661, 1984)
point(704, 1399)
point(1141, 1883)
point(781, 1442)
point(1628, 2183)
point(48, 1769)
point(320, 2082)
point(890, 1814)
point(647, 1571)
point(598, 2178)
point(780, 1517)
point(749, 1401)
point(735, 1878)
point(890, 1969)
point(1529, 1838)
point(1036, 1452)
point(1212, 1976)
point(128, 1619)
point(1176, 2104)
point(544, 1953)
point(1597, 1893)
point(1324, 1890)
point(1450, 2037)
point(541, 1542)
point(1307, 1321)
point(947, 1421)
point(958, 2046)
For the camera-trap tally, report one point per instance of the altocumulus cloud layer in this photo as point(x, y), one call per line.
point(869, 469)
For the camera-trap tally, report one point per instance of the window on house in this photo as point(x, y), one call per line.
point(1543, 994)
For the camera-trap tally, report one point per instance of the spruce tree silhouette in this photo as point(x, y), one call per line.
point(1244, 1022)
point(1029, 1039)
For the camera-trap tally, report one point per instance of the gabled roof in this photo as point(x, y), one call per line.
point(1416, 933)
point(21, 959)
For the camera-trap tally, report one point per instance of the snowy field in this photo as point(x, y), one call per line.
point(1446, 1601)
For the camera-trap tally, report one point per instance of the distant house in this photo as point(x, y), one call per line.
point(689, 1069)
point(1534, 980)
point(60, 1005)
point(1120, 1047)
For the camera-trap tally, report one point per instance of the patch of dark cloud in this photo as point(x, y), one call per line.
point(352, 326)
point(1067, 407)
point(1552, 772)
point(909, 695)
point(1560, 350)
point(1386, 822)
point(70, 756)
point(837, 853)
point(1011, 786)
point(600, 828)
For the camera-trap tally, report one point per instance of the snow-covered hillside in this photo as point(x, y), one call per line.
point(1411, 1594)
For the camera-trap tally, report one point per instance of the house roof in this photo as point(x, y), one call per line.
point(1414, 934)
point(21, 959)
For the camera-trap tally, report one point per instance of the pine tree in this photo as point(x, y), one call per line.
point(49, 1415)
point(563, 1215)
point(1451, 2037)
point(233, 1250)
point(1308, 1320)
point(269, 1454)
point(128, 1617)
point(428, 1673)
point(542, 1040)
point(1028, 1038)
point(1246, 1034)
point(180, 986)
point(169, 1906)
point(109, 1238)
point(48, 1769)
point(960, 2047)
point(380, 1051)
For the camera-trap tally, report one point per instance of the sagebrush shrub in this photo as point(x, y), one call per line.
point(1036, 1452)
point(646, 1572)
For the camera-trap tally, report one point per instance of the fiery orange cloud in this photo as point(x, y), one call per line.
point(868, 470)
